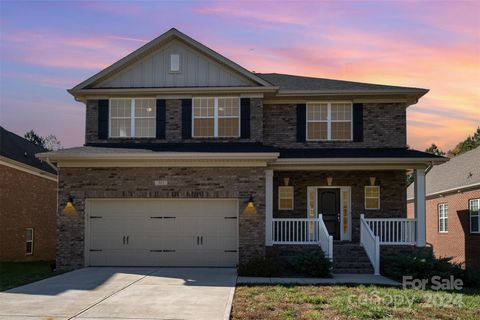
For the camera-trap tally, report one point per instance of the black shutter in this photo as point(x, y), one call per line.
point(186, 118)
point(102, 119)
point(245, 118)
point(358, 122)
point(301, 122)
point(160, 131)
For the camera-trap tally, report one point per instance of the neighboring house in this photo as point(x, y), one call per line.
point(192, 160)
point(28, 201)
point(453, 202)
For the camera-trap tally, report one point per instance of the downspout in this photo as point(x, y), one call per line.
point(430, 166)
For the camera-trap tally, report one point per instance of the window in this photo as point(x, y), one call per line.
point(474, 206)
point(329, 121)
point(216, 117)
point(132, 118)
point(443, 217)
point(285, 198)
point(174, 63)
point(29, 241)
point(372, 197)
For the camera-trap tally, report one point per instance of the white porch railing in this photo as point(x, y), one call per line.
point(395, 231)
point(371, 244)
point(302, 231)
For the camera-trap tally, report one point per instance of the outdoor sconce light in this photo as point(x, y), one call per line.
point(372, 181)
point(250, 202)
point(329, 181)
point(69, 202)
point(286, 182)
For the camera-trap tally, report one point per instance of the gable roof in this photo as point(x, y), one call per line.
point(460, 172)
point(152, 46)
point(287, 82)
point(21, 150)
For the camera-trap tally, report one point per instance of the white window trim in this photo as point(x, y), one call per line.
point(470, 215)
point(216, 117)
point(442, 208)
point(365, 197)
point(328, 121)
point(132, 118)
point(293, 198)
point(31, 241)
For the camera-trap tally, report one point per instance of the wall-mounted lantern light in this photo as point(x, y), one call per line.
point(250, 203)
point(286, 182)
point(329, 181)
point(372, 181)
point(69, 202)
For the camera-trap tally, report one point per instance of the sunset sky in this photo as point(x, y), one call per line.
point(48, 47)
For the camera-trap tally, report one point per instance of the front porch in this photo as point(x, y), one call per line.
point(330, 209)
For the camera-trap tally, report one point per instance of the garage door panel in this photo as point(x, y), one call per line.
point(170, 238)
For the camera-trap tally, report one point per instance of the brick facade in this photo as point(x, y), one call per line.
point(83, 183)
point(458, 242)
point(392, 193)
point(384, 125)
point(26, 201)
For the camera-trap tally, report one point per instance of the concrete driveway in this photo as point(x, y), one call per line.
point(124, 293)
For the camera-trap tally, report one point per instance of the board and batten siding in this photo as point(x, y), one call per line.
point(196, 70)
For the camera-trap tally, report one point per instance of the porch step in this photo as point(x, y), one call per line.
point(350, 258)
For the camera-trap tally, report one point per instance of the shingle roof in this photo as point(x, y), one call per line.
point(460, 171)
point(249, 147)
point(292, 82)
point(21, 150)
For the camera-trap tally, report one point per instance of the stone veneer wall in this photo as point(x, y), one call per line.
point(392, 193)
point(84, 183)
point(384, 125)
point(174, 125)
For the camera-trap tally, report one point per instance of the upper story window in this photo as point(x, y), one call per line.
point(216, 117)
point(132, 118)
point(443, 217)
point(474, 208)
point(329, 121)
point(175, 62)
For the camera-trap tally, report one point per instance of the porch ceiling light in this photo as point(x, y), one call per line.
point(372, 181)
point(329, 181)
point(286, 181)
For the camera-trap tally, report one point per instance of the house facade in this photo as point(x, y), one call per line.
point(192, 160)
point(28, 201)
point(453, 202)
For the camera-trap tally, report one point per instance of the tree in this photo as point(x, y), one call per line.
point(33, 137)
point(433, 149)
point(50, 142)
point(470, 143)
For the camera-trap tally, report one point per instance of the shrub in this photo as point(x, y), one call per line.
point(259, 267)
point(313, 264)
point(472, 277)
point(419, 265)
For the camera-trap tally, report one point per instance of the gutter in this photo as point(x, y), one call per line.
point(47, 160)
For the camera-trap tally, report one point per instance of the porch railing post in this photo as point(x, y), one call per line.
point(268, 207)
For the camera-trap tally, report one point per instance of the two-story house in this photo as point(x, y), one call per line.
point(192, 160)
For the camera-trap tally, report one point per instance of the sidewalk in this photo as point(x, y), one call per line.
point(336, 279)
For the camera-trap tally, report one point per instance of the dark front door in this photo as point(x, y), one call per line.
point(329, 206)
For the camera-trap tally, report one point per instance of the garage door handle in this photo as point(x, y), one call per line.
point(198, 240)
point(169, 217)
point(201, 240)
point(127, 239)
point(123, 239)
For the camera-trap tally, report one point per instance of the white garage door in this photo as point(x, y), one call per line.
point(166, 232)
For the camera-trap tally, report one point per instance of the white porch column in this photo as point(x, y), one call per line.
point(420, 207)
point(268, 207)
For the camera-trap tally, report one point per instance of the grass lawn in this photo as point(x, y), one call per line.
point(342, 302)
point(14, 274)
